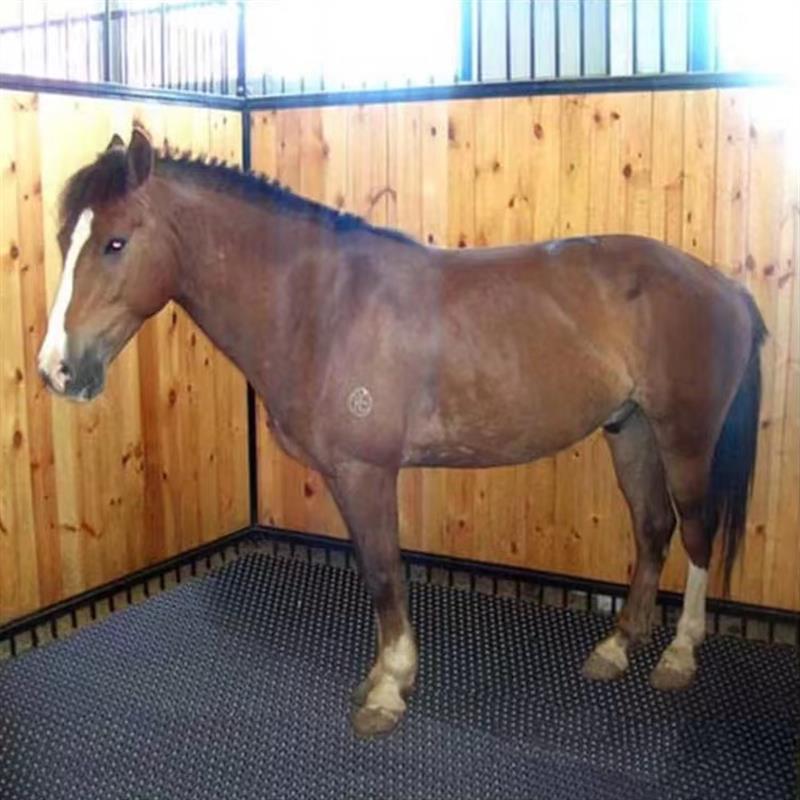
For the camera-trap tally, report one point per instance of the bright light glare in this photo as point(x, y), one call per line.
point(350, 43)
point(759, 36)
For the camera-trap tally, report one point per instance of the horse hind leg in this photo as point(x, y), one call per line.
point(642, 479)
point(689, 478)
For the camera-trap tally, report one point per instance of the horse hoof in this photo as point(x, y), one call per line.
point(598, 668)
point(668, 678)
point(359, 694)
point(374, 721)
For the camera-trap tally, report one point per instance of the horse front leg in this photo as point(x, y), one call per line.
point(367, 498)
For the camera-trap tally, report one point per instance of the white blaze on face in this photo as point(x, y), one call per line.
point(54, 348)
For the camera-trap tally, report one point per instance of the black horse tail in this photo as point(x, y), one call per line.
point(734, 459)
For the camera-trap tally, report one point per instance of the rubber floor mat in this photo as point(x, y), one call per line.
point(237, 686)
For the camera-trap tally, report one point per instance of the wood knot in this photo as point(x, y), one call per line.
point(749, 263)
point(172, 397)
point(538, 130)
point(16, 439)
point(614, 115)
point(308, 489)
point(451, 131)
point(627, 170)
point(13, 251)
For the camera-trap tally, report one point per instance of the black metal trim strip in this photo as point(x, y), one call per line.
point(252, 422)
point(461, 91)
point(91, 597)
point(464, 91)
point(504, 572)
point(26, 83)
point(475, 569)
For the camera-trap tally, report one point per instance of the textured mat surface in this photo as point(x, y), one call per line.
point(237, 686)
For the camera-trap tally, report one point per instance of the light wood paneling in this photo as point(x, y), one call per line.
point(158, 463)
point(708, 171)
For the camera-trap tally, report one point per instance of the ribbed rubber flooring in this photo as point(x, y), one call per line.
point(237, 685)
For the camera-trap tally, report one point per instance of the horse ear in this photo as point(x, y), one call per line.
point(116, 142)
point(140, 157)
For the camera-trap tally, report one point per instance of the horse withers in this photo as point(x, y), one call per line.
point(373, 352)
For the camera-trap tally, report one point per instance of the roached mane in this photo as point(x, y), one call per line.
point(106, 180)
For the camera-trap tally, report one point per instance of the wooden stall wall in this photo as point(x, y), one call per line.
point(712, 172)
point(158, 463)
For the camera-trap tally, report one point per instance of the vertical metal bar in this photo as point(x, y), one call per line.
point(558, 38)
point(203, 61)
point(465, 70)
point(635, 36)
point(163, 21)
point(608, 37)
point(582, 35)
point(480, 39)
point(124, 44)
point(225, 63)
point(532, 22)
point(241, 62)
point(196, 80)
point(662, 38)
point(508, 40)
point(107, 41)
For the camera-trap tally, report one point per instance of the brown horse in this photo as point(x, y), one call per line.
point(373, 352)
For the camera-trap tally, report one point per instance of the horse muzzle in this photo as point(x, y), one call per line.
point(81, 378)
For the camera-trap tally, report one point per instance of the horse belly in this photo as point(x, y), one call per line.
point(502, 426)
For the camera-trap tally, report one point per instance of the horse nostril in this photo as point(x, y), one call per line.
point(64, 370)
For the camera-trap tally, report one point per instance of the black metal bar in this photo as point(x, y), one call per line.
point(585, 85)
point(118, 13)
point(557, 47)
point(499, 571)
point(532, 25)
point(107, 41)
point(126, 77)
point(635, 37)
point(508, 40)
point(662, 38)
point(241, 50)
point(582, 37)
point(479, 56)
point(27, 83)
point(90, 598)
point(608, 37)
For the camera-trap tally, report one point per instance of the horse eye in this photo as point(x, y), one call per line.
point(115, 245)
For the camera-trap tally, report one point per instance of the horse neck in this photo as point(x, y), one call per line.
point(242, 276)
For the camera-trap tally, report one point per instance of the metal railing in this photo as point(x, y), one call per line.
point(185, 45)
point(201, 46)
